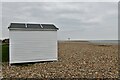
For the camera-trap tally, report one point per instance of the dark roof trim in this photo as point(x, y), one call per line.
point(32, 27)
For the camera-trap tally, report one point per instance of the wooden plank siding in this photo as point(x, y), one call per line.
point(32, 46)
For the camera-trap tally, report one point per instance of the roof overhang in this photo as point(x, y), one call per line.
point(31, 29)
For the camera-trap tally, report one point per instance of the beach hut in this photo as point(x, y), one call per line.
point(32, 42)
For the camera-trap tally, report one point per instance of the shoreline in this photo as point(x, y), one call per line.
point(94, 42)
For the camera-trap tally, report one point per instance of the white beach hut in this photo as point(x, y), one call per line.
point(32, 42)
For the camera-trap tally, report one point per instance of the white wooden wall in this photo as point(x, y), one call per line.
point(32, 46)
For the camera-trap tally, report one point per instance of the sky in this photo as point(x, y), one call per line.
point(75, 20)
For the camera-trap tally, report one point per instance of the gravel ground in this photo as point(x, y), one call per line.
point(76, 60)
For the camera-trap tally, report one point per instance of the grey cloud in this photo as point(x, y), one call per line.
point(89, 20)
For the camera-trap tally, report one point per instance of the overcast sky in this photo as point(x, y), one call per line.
point(75, 20)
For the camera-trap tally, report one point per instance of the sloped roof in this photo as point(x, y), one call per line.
point(29, 26)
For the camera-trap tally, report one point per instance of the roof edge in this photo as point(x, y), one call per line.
point(26, 28)
point(32, 29)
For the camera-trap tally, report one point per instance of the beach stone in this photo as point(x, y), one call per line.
point(75, 60)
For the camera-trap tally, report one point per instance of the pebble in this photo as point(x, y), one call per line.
point(76, 60)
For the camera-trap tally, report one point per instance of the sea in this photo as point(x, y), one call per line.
point(105, 41)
